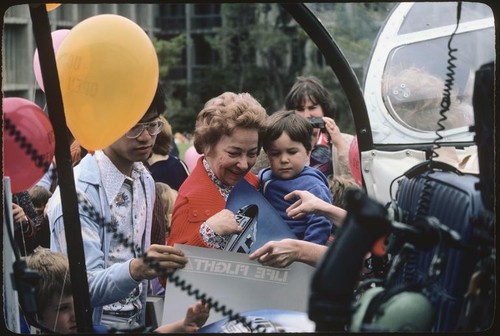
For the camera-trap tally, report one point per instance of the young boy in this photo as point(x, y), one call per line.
point(54, 298)
point(286, 139)
point(53, 291)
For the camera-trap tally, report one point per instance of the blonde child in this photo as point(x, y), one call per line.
point(54, 297)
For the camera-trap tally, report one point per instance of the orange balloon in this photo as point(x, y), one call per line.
point(52, 6)
point(108, 71)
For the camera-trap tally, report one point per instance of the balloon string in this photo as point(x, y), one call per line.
point(39, 160)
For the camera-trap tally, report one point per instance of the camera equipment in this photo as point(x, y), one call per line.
point(317, 122)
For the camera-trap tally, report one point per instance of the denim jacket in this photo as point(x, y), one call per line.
point(106, 284)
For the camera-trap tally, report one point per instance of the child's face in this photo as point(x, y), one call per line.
point(287, 158)
point(59, 316)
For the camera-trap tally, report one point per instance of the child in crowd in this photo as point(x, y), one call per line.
point(339, 184)
point(168, 195)
point(26, 222)
point(286, 139)
point(54, 298)
point(40, 196)
point(164, 166)
point(53, 295)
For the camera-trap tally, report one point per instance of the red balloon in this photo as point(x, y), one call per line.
point(29, 142)
point(354, 163)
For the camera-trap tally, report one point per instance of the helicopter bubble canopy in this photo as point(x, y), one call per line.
point(410, 67)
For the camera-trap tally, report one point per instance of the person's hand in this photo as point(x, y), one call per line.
point(196, 316)
point(277, 253)
point(18, 213)
point(307, 203)
point(224, 223)
point(335, 134)
point(167, 257)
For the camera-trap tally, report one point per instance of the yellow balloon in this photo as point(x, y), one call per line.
point(108, 72)
point(52, 6)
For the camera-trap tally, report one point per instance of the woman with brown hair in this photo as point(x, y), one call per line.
point(227, 134)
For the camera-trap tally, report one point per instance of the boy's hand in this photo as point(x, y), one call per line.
point(196, 316)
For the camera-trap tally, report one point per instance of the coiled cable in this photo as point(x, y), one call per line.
point(88, 208)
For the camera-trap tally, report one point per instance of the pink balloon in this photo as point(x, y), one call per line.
point(57, 38)
point(29, 142)
point(354, 163)
point(191, 157)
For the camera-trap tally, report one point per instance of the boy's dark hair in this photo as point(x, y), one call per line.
point(312, 88)
point(158, 104)
point(296, 126)
point(53, 268)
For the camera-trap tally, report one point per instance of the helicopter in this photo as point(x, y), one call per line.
point(425, 112)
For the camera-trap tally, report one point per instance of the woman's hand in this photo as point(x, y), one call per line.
point(284, 252)
point(335, 134)
point(277, 253)
point(169, 258)
point(224, 223)
point(307, 203)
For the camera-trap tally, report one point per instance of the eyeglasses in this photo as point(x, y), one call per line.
point(153, 127)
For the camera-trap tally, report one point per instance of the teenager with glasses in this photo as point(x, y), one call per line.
point(122, 191)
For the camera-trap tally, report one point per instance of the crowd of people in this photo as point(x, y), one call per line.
point(145, 192)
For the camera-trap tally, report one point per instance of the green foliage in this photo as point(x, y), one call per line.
point(169, 52)
point(261, 50)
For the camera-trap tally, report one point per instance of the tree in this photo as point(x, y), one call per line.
point(254, 45)
point(260, 49)
point(169, 54)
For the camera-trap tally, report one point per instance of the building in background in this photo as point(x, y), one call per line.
point(264, 46)
point(160, 21)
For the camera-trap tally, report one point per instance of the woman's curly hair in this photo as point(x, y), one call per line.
point(222, 114)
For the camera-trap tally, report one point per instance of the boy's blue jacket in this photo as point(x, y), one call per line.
point(312, 228)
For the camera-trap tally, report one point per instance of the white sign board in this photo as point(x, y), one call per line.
point(238, 283)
